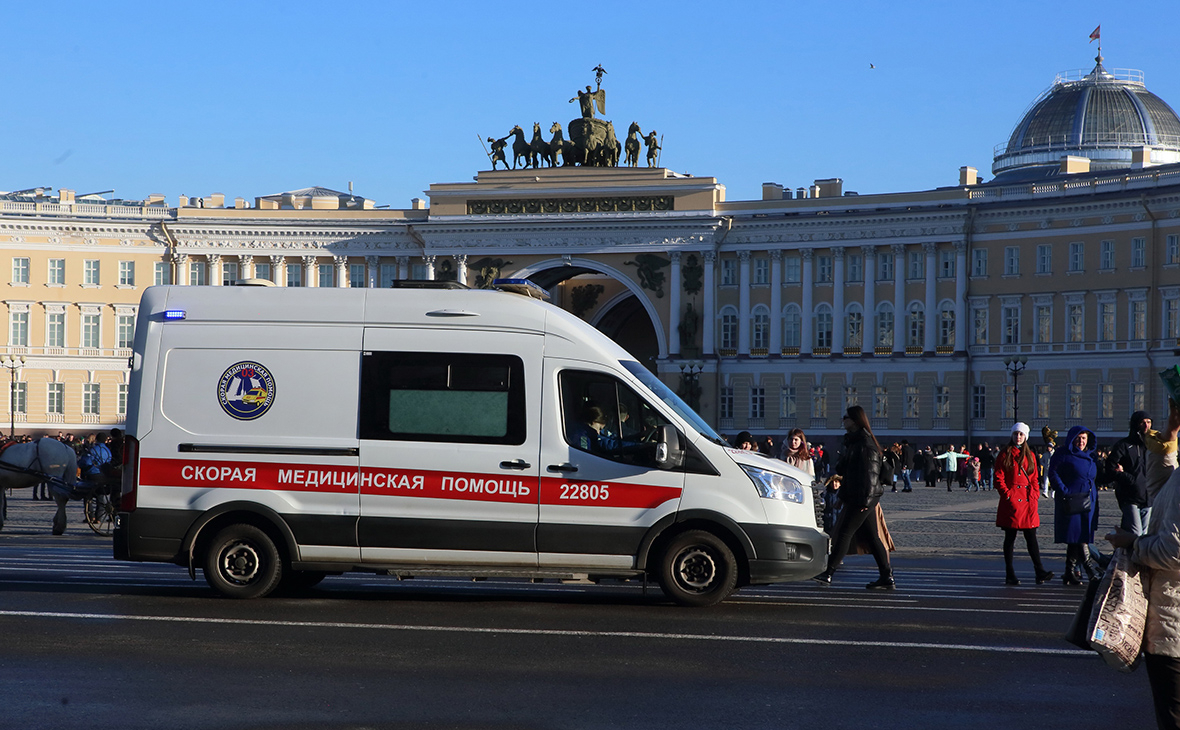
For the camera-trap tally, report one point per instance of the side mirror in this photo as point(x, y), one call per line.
point(669, 450)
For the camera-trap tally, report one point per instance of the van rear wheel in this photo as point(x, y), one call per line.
point(697, 568)
point(243, 562)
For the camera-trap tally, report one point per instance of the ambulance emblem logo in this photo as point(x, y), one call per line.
point(246, 390)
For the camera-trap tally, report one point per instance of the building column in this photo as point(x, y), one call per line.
point(776, 303)
point(931, 333)
point(214, 269)
point(278, 269)
point(461, 269)
point(838, 323)
point(246, 261)
point(429, 266)
point(707, 314)
point(674, 306)
point(371, 269)
point(403, 268)
point(181, 260)
point(743, 302)
point(341, 270)
point(807, 316)
point(869, 334)
point(309, 271)
point(899, 314)
point(960, 296)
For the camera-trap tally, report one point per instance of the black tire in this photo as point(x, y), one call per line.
point(697, 568)
point(100, 514)
point(299, 581)
point(242, 562)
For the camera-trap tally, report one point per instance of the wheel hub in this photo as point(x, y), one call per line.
point(240, 563)
point(696, 568)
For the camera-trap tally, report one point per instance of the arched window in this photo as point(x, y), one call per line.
point(854, 328)
point(946, 324)
point(792, 326)
point(760, 328)
point(884, 325)
point(823, 326)
point(727, 333)
point(915, 325)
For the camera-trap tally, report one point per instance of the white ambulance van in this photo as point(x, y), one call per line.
point(277, 435)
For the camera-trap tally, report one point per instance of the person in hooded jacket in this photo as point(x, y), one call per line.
point(1016, 480)
point(860, 491)
point(1072, 470)
point(1127, 465)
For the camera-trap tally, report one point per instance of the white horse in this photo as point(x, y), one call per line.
point(22, 465)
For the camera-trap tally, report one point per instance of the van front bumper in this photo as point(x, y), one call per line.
point(786, 553)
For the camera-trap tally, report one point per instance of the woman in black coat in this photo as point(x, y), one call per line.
point(860, 491)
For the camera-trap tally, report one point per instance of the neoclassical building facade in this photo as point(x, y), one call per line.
point(1051, 293)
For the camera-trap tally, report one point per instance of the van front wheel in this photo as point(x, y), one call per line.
point(697, 568)
point(242, 562)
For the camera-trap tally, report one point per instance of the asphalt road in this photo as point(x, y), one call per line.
point(91, 642)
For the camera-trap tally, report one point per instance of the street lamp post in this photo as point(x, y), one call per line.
point(690, 384)
point(14, 364)
point(1015, 365)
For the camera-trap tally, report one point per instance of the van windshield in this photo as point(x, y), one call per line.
point(672, 400)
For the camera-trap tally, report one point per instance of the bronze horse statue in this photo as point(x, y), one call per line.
point(540, 148)
point(520, 148)
point(633, 144)
point(559, 145)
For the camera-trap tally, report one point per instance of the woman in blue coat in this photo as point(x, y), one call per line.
point(1072, 470)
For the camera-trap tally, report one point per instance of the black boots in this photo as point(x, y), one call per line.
point(824, 579)
point(884, 583)
point(1071, 576)
point(1044, 576)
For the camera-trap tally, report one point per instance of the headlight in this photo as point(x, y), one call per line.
point(775, 486)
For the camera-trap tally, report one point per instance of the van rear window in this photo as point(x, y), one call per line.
point(436, 396)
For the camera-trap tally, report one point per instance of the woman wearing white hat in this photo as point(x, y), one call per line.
point(1019, 488)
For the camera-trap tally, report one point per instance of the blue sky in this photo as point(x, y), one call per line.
point(250, 99)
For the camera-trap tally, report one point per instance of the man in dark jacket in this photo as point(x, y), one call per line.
point(1127, 466)
point(907, 465)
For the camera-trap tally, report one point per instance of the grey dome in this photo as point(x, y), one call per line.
point(1099, 115)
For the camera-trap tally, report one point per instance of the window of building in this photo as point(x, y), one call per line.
point(854, 330)
point(1106, 315)
point(1009, 402)
point(161, 273)
point(729, 331)
point(979, 262)
point(1172, 249)
point(326, 275)
point(850, 397)
point(125, 330)
point(91, 329)
point(942, 401)
point(90, 398)
point(55, 329)
point(20, 270)
point(1075, 323)
point(788, 406)
point(230, 273)
point(946, 324)
point(1010, 334)
point(792, 270)
point(725, 403)
point(979, 325)
point(946, 264)
point(1172, 318)
point(18, 328)
point(760, 329)
point(758, 402)
point(1074, 392)
point(1106, 254)
point(855, 271)
point(90, 272)
point(264, 271)
point(465, 397)
point(20, 397)
point(121, 400)
point(823, 269)
point(880, 402)
point(885, 326)
point(198, 273)
point(1044, 258)
point(1106, 400)
point(126, 273)
point(792, 327)
point(979, 401)
point(1011, 260)
point(388, 275)
point(1041, 396)
point(819, 402)
point(761, 270)
point(1043, 319)
point(294, 275)
point(917, 265)
point(823, 326)
point(1138, 253)
point(356, 276)
point(1077, 260)
point(911, 401)
point(729, 272)
point(55, 398)
point(57, 272)
point(915, 326)
point(1138, 397)
point(884, 267)
point(1139, 320)
point(419, 272)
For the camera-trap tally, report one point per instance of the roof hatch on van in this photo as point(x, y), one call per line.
point(523, 287)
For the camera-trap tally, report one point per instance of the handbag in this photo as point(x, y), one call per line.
point(1078, 633)
point(1078, 503)
point(1119, 615)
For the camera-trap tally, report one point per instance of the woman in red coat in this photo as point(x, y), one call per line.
point(1018, 485)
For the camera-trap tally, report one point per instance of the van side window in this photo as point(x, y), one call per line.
point(603, 416)
point(440, 396)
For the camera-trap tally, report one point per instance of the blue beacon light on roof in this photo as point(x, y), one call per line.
point(173, 315)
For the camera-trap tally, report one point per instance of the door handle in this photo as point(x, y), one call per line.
point(515, 464)
point(566, 468)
